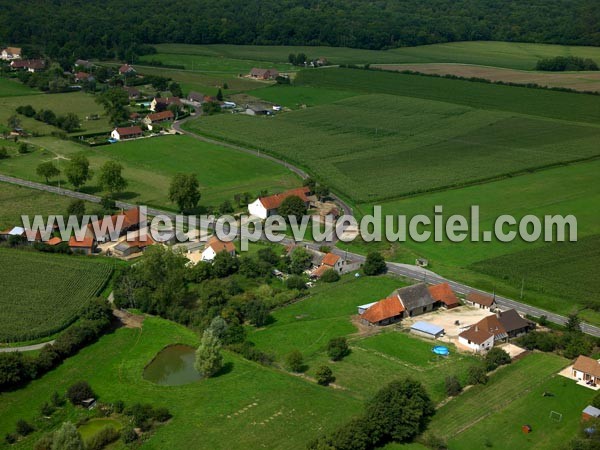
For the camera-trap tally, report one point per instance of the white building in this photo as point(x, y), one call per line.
point(10, 53)
point(264, 207)
point(215, 246)
point(477, 339)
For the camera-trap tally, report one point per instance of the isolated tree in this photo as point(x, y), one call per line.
point(23, 148)
point(300, 260)
point(218, 327)
point(184, 191)
point(374, 264)
point(292, 206)
point(47, 170)
point(330, 276)
point(294, 361)
point(337, 348)
point(573, 323)
point(79, 391)
point(496, 357)
point(324, 376)
point(3, 153)
point(76, 208)
point(453, 386)
point(175, 89)
point(67, 438)
point(115, 103)
point(226, 207)
point(78, 171)
point(208, 355)
point(220, 95)
point(13, 122)
point(23, 427)
point(70, 122)
point(111, 178)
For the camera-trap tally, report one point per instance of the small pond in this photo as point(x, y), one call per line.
point(173, 366)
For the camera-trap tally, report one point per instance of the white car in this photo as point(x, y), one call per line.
point(276, 108)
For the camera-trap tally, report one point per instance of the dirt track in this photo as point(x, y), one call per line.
point(581, 81)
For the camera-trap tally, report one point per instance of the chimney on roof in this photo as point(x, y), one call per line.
point(498, 313)
point(476, 327)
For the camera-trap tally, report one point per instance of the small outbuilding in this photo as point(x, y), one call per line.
point(427, 330)
point(590, 412)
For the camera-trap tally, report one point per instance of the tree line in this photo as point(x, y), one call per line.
point(125, 29)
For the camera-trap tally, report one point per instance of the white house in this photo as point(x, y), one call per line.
point(264, 207)
point(477, 339)
point(126, 133)
point(215, 246)
point(10, 53)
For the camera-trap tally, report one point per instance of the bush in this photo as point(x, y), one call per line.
point(294, 361)
point(161, 414)
point(57, 399)
point(295, 282)
point(80, 391)
point(337, 348)
point(330, 276)
point(453, 386)
point(119, 406)
point(11, 438)
point(102, 438)
point(477, 375)
point(324, 376)
point(46, 409)
point(23, 148)
point(128, 435)
point(23, 427)
point(3, 153)
point(374, 264)
point(496, 357)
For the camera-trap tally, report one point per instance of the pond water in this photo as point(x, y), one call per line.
point(173, 366)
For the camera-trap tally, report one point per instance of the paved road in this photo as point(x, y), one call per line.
point(406, 270)
point(25, 348)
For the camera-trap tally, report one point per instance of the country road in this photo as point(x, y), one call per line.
point(405, 270)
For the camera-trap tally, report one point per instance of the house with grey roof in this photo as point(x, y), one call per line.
point(416, 299)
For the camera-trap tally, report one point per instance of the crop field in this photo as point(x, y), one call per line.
point(17, 200)
point(309, 324)
point(42, 293)
point(149, 165)
point(209, 64)
point(512, 398)
point(415, 145)
point(580, 81)
point(79, 103)
point(514, 55)
point(565, 270)
point(299, 97)
point(250, 404)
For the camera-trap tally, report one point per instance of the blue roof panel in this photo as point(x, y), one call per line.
point(426, 327)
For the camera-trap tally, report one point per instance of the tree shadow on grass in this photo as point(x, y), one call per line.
point(227, 368)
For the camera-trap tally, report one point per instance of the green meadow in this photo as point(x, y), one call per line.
point(149, 165)
point(515, 55)
point(12, 87)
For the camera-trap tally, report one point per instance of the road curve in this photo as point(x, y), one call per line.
point(25, 348)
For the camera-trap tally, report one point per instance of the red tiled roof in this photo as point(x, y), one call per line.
point(129, 131)
point(131, 217)
point(126, 68)
point(274, 201)
point(82, 75)
point(482, 299)
point(476, 335)
point(53, 241)
point(586, 364)
point(383, 309)
point(141, 243)
point(160, 116)
point(443, 293)
point(13, 50)
point(330, 259)
point(319, 271)
point(33, 235)
point(220, 246)
point(87, 242)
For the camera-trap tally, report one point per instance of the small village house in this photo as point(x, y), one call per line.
point(499, 327)
point(264, 207)
point(31, 65)
point(86, 246)
point(442, 293)
point(329, 261)
point(83, 64)
point(83, 76)
point(586, 369)
point(215, 246)
point(415, 299)
point(162, 103)
point(482, 301)
point(126, 69)
point(264, 74)
point(195, 97)
point(513, 323)
point(131, 220)
point(128, 247)
point(477, 338)
point(383, 312)
point(132, 92)
point(10, 53)
point(155, 118)
point(124, 133)
point(257, 110)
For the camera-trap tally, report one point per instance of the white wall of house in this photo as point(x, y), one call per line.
point(256, 208)
point(484, 346)
point(208, 254)
point(115, 135)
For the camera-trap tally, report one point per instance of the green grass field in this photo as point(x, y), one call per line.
point(11, 87)
point(208, 64)
point(515, 55)
point(247, 407)
point(512, 398)
point(149, 165)
point(79, 103)
point(415, 145)
point(16, 201)
point(298, 97)
point(42, 293)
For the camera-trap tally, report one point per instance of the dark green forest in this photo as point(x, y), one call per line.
point(67, 28)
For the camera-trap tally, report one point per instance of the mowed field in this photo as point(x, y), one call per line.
point(513, 398)
point(11, 87)
point(580, 81)
point(516, 55)
point(51, 294)
point(16, 201)
point(150, 164)
point(416, 133)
